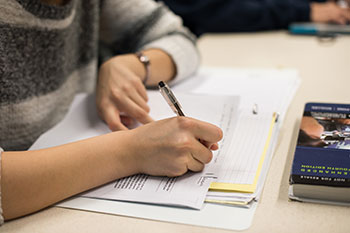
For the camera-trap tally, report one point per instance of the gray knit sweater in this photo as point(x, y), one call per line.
point(49, 53)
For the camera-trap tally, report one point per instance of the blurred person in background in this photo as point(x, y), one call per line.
point(203, 16)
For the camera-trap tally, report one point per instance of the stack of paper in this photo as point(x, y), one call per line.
point(188, 190)
point(238, 169)
point(264, 99)
point(242, 102)
point(240, 178)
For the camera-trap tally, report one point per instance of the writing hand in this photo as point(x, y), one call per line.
point(171, 147)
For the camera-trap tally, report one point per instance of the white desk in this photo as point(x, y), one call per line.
point(325, 73)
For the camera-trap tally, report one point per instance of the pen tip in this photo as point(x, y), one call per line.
point(161, 84)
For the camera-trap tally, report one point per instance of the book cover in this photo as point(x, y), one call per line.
point(322, 155)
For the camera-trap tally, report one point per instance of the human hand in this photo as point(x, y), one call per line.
point(343, 121)
point(329, 12)
point(121, 96)
point(173, 146)
point(311, 127)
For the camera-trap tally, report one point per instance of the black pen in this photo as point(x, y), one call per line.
point(170, 98)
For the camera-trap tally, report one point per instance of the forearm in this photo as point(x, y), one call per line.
point(33, 180)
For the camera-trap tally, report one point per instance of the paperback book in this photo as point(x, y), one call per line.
point(321, 166)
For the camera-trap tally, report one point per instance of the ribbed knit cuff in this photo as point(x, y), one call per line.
point(182, 51)
point(1, 217)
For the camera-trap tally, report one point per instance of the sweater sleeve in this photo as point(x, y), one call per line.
point(1, 217)
point(203, 16)
point(133, 25)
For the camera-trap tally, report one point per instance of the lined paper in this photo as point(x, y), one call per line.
point(188, 190)
point(243, 168)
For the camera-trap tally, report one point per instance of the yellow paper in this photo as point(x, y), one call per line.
point(247, 188)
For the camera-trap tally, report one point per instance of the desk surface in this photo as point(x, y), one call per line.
point(324, 69)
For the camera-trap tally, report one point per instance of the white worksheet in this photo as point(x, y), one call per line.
point(188, 190)
point(270, 89)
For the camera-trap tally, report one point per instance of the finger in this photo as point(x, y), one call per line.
point(346, 14)
point(141, 90)
point(341, 20)
point(128, 121)
point(204, 131)
point(215, 146)
point(131, 91)
point(111, 116)
point(139, 101)
point(211, 146)
point(133, 110)
point(201, 153)
point(194, 165)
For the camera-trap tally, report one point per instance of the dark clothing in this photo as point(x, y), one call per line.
point(203, 16)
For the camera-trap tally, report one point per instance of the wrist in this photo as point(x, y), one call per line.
point(120, 146)
point(144, 59)
point(131, 62)
point(132, 158)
